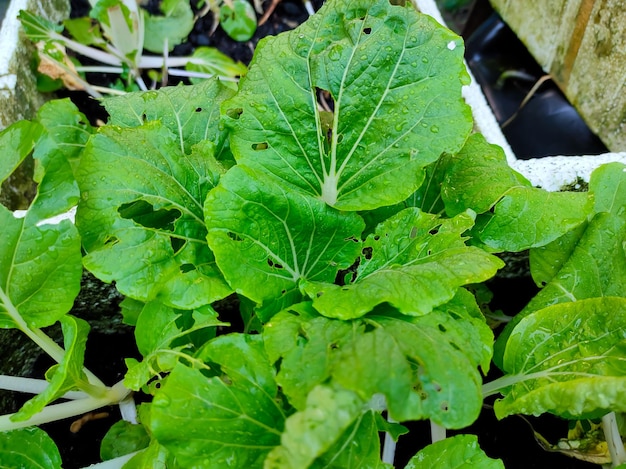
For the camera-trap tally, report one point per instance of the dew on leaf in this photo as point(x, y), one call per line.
point(434, 129)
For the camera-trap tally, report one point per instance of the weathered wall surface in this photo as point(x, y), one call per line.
point(582, 44)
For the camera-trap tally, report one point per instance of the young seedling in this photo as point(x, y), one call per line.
point(114, 38)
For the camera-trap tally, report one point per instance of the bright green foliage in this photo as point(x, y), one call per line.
point(230, 417)
point(144, 227)
point(567, 359)
point(287, 237)
point(523, 217)
point(339, 194)
point(238, 19)
point(163, 335)
point(169, 30)
point(394, 81)
point(28, 447)
point(457, 452)
point(405, 263)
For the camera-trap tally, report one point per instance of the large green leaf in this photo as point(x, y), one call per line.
point(413, 261)
point(391, 78)
point(521, 216)
point(231, 419)
point(16, 143)
point(426, 366)
point(457, 452)
point(568, 359)
point(30, 448)
point(143, 227)
point(40, 270)
point(189, 112)
point(266, 239)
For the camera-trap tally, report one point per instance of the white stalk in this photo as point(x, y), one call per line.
point(437, 432)
point(613, 439)
point(34, 386)
point(65, 410)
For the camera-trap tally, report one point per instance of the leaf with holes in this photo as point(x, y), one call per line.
point(227, 414)
point(267, 239)
point(352, 105)
point(413, 261)
point(143, 227)
point(434, 359)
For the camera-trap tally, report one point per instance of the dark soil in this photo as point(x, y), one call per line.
point(511, 439)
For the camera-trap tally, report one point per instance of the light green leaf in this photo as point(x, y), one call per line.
point(463, 184)
point(40, 270)
point(30, 448)
point(426, 367)
point(123, 438)
point(65, 376)
point(58, 154)
point(266, 238)
point(38, 28)
point(568, 359)
point(231, 419)
point(213, 62)
point(313, 431)
point(358, 447)
point(85, 31)
point(189, 112)
point(413, 261)
point(594, 265)
point(393, 77)
point(608, 185)
point(457, 452)
point(16, 143)
point(523, 216)
point(143, 227)
point(300, 335)
point(167, 31)
point(238, 19)
point(154, 456)
point(161, 334)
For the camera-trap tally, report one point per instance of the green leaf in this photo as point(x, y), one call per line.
point(313, 431)
point(85, 31)
point(284, 237)
point(154, 456)
point(523, 217)
point(463, 184)
point(230, 420)
point(594, 265)
point(189, 112)
point(167, 31)
point(143, 227)
point(28, 447)
point(238, 20)
point(393, 77)
point(161, 335)
point(425, 366)
point(213, 62)
point(568, 359)
point(457, 452)
point(58, 154)
point(413, 261)
point(65, 376)
point(38, 28)
point(16, 143)
point(40, 270)
point(123, 438)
